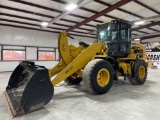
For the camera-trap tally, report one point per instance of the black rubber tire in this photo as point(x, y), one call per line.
point(73, 81)
point(90, 76)
point(134, 78)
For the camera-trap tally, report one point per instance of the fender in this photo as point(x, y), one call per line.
point(109, 59)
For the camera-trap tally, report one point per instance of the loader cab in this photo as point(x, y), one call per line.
point(117, 36)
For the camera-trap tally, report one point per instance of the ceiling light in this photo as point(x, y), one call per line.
point(44, 24)
point(137, 39)
point(71, 7)
point(139, 22)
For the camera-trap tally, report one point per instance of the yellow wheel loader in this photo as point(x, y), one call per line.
point(31, 86)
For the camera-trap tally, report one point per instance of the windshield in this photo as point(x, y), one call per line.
point(107, 33)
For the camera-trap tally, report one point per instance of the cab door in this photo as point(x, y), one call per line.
point(124, 39)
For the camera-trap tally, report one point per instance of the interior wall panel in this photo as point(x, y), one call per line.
point(31, 53)
point(24, 37)
point(0, 51)
point(57, 54)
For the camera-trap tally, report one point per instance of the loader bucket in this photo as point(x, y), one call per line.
point(29, 88)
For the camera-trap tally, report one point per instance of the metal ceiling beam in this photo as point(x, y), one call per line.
point(146, 26)
point(52, 17)
point(31, 28)
point(25, 11)
point(50, 9)
point(130, 13)
point(16, 26)
point(146, 6)
point(30, 19)
point(88, 10)
point(134, 34)
point(109, 9)
point(16, 16)
point(149, 34)
point(42, 15)
point(93, 11)
point(153, 30)
point(67, 12)
point(142, 32)
point(21, 17)
point(25, 23)
point(60, 1)
point(37, 25)
point(149, 19)
point(107, 4)
point(63, 2)
point(35, 5)
point(149, 37)
point(33, 19)
point(37, 20)
point(38, 14)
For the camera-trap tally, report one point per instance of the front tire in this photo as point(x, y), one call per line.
point(139, 73)
point(98, 76)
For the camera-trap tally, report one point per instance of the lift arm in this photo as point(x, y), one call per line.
point(73, 58)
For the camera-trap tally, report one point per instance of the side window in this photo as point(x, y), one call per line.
point(129, 33)
point(114, 36)
point(13, 55)
point(113, 32)
point(46, 55)
point(123, 35)
point(125, 32)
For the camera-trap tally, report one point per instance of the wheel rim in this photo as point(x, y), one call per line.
point(103, 77)
point(142, 72)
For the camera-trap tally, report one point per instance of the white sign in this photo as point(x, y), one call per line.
point(154, 56)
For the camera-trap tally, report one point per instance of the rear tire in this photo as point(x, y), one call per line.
point(139, 73)
point(98, 76)
point(73, 81)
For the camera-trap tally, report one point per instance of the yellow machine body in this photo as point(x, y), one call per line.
point(31, 87)
point(74, 58)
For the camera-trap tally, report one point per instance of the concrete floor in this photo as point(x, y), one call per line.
point(123, 102)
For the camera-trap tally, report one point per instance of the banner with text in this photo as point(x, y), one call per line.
point(152, 51)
